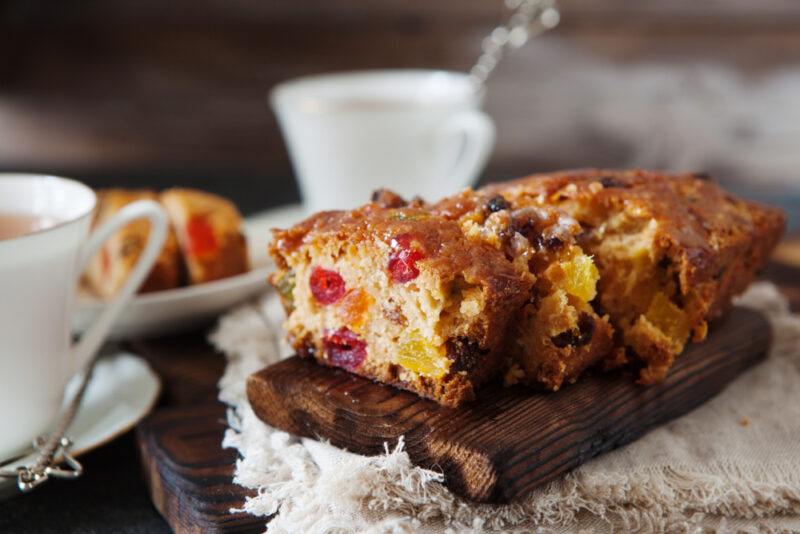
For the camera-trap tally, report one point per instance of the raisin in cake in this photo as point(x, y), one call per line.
point(672, 251)
point(208, 228)
point(108, 270)
point(398, 295)
point(557, 334)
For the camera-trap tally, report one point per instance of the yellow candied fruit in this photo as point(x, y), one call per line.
point(581, 276)
point(667, 317)
point(419, 356)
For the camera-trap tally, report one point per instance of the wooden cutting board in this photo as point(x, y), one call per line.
point(510, 440)
point(190, 475)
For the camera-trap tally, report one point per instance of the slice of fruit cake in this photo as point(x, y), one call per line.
point(557, 334)
point(398, 295)
point(672, 251)
point(108, 270)
point(209, 232)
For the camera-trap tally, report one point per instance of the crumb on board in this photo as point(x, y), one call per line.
point(744, 421)
point(513, 375)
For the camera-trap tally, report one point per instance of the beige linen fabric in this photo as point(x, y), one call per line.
point(731, 465)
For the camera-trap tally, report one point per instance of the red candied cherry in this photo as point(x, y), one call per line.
point(403, 260)
point(344, 348)
point(326, 286)
point(201, 236)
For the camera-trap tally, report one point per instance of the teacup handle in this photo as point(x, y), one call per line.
point(477, 131)
point(142, 209)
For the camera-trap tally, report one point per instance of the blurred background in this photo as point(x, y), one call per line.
point(155, 93)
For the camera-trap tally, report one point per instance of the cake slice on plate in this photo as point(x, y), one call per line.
point(208, 228)
point(108, 270)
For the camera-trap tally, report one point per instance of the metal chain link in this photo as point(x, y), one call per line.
point(530, 18)
point(53, 460)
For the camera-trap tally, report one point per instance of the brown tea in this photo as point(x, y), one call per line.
point(15, 224)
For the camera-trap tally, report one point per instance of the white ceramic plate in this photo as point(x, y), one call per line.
point(170, 311)
point(122, 391)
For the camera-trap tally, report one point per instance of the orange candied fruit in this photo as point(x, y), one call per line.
point(581, 276)
point(419, 356)
point(354, 307)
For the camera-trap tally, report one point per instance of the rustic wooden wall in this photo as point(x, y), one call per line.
point(132, 90)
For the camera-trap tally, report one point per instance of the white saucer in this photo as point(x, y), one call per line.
point(170, 311)
point(122, 391)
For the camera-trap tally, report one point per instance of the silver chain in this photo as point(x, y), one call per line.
point(54, 460)
point(530, 18)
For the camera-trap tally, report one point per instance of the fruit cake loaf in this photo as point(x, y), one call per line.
point(110, 267)
point(208, 228)
point(398, 295)
point(557, 334)
point(672, 251)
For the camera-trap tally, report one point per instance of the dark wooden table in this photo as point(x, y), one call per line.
point(112, 496)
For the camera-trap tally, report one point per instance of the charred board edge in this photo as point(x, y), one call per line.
point(482, 460)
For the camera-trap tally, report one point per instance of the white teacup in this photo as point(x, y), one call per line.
point(417, 132)
point(39, 272)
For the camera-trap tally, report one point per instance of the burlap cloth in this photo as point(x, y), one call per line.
point(731, 465)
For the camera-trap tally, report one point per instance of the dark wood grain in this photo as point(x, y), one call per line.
point(189, 367)
point(189, 475)
point(510, 440)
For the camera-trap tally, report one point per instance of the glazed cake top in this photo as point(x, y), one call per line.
point(697, 221)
